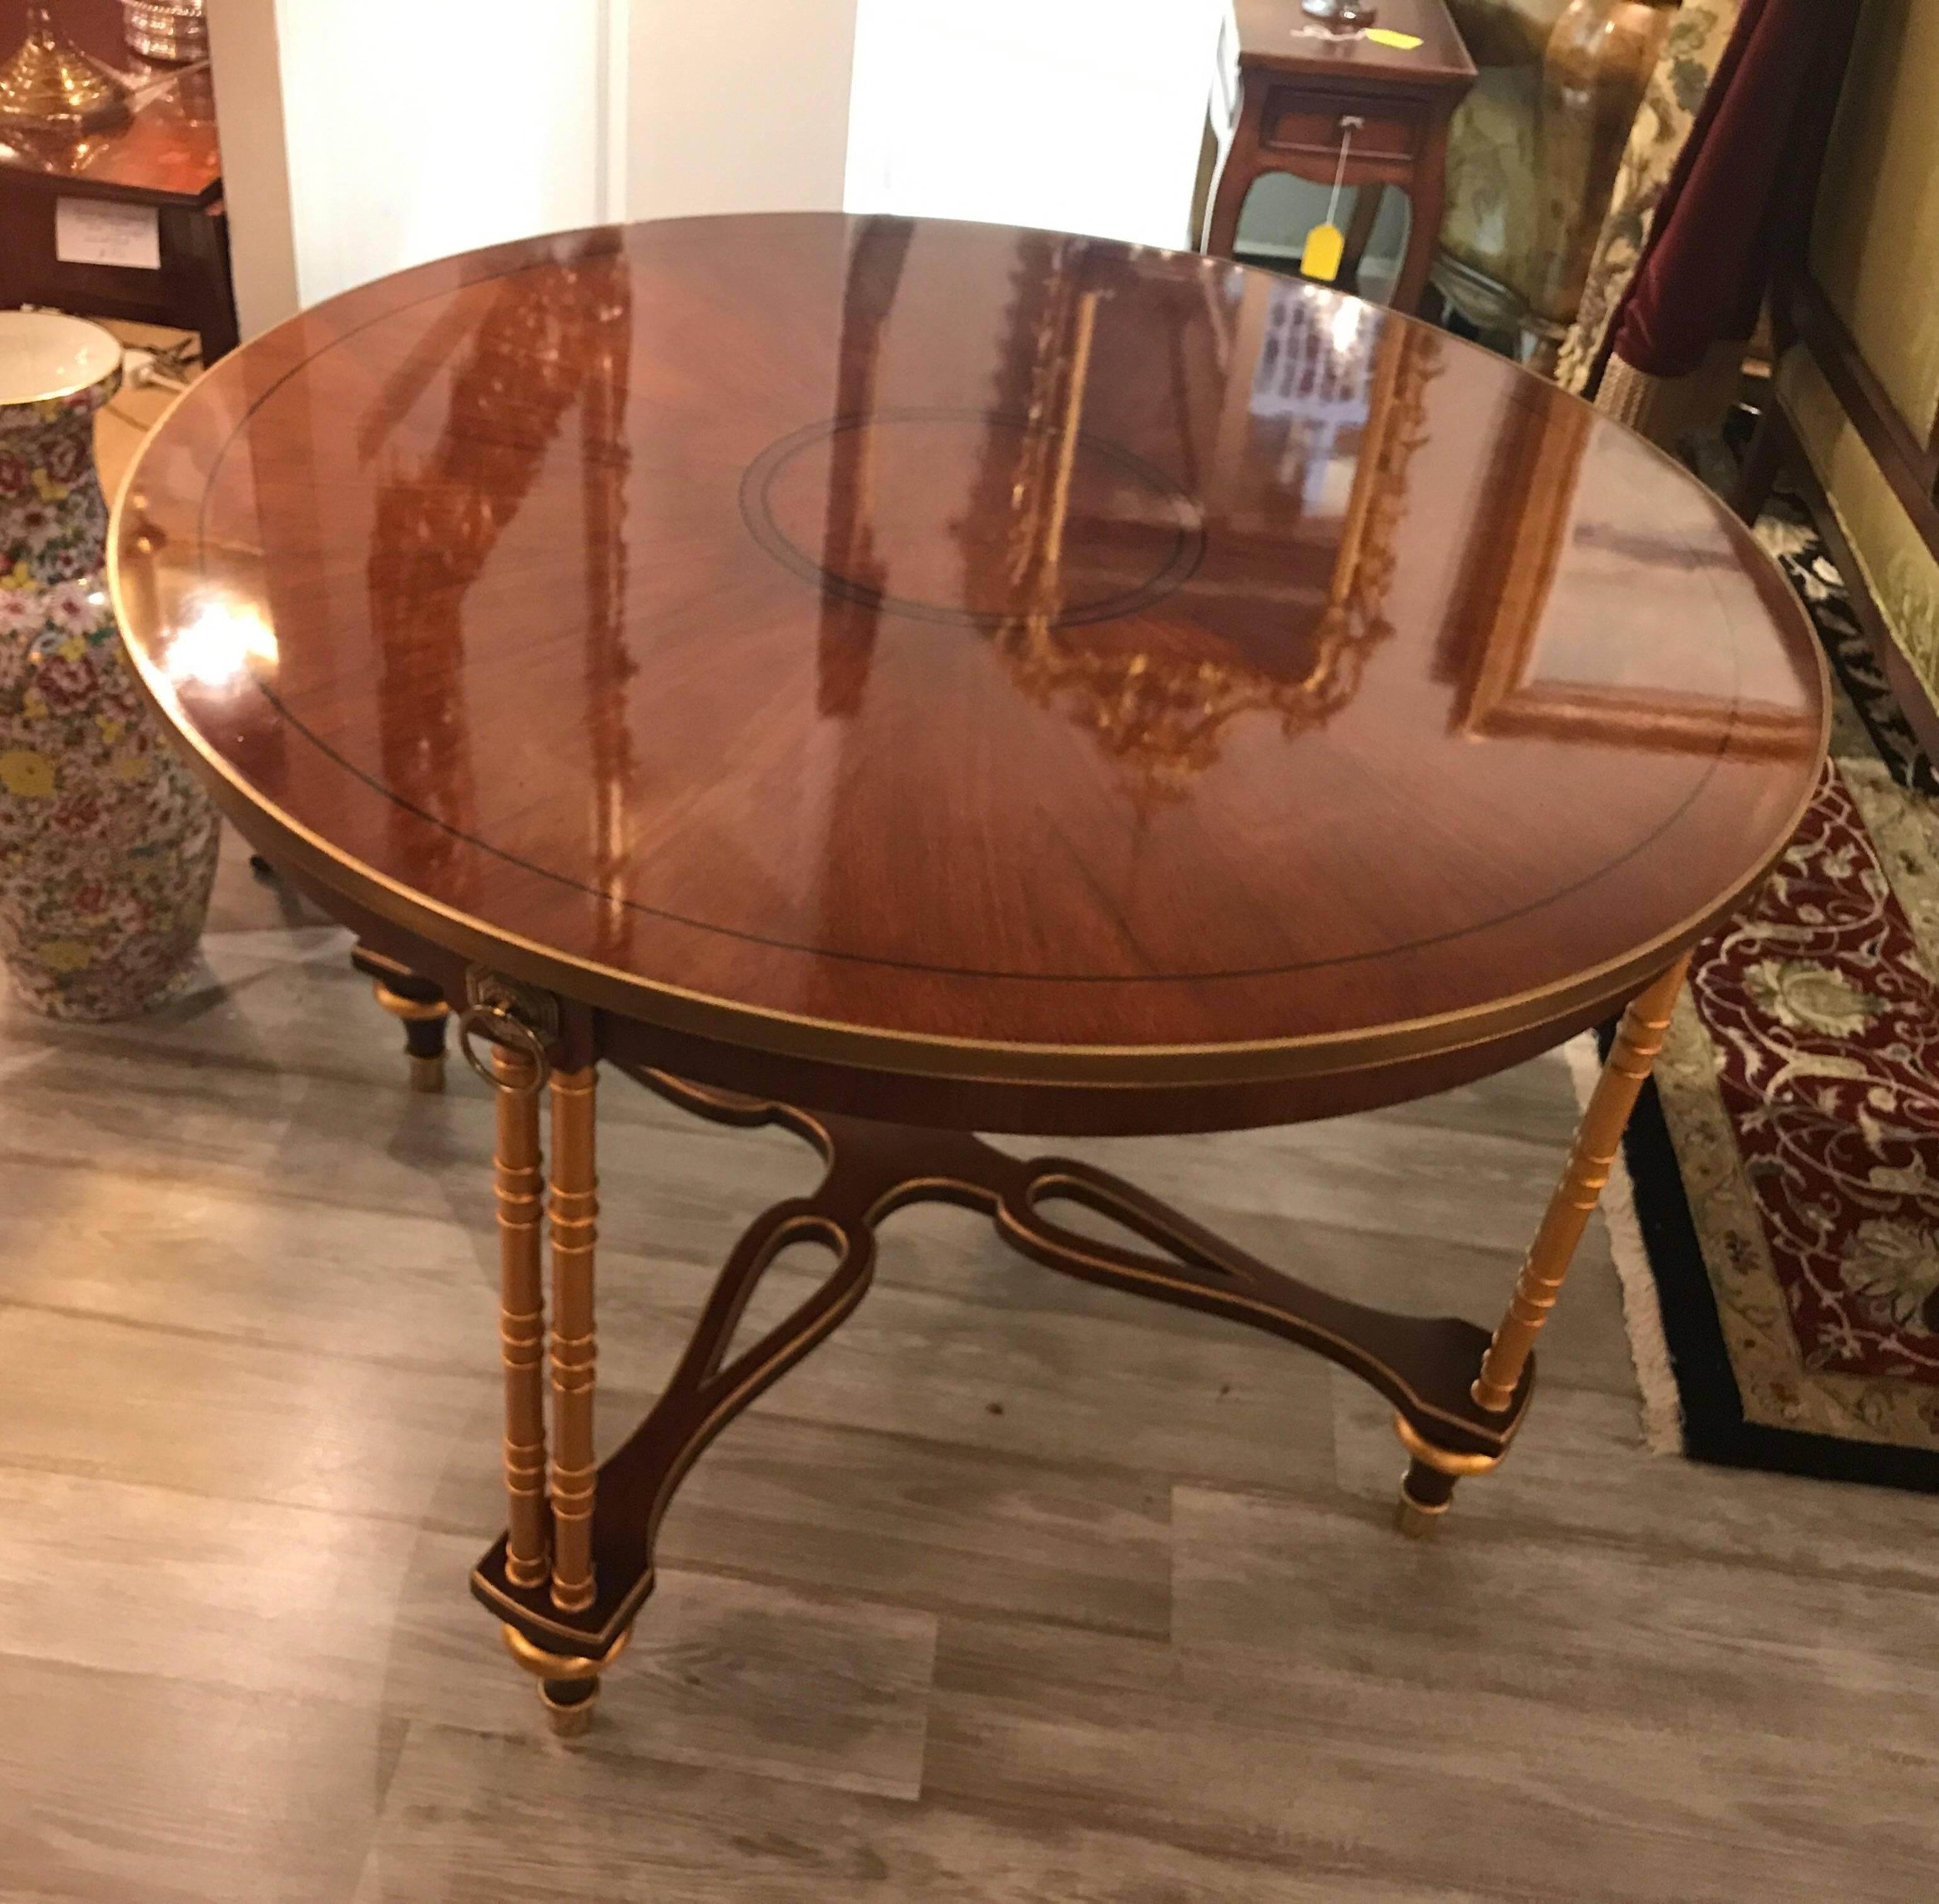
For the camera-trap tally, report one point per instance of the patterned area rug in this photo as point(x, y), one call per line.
point(1782, 1199)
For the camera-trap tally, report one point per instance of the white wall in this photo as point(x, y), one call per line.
point(1084, 115)
point(381, 133)
point(738, 105)
point(361, 136)
point(247, 68)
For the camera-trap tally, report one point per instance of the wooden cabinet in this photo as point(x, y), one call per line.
point(162, 168)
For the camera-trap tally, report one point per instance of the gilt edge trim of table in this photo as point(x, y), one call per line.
point(1129, 1067)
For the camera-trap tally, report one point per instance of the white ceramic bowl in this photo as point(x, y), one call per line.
point(44, 355)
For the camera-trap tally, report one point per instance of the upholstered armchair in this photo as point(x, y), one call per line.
point(1532, 154)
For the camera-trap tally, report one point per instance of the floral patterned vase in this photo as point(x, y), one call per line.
point(107, 845)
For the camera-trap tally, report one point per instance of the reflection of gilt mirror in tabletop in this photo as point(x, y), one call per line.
point(1524, 644)
point(1311, 529)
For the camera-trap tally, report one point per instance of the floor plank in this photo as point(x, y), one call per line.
point(295, 1603)
point(238, 1422)
point(419, 1292)
point(129, 1788)
point(1702, 1647)
point(1269, 1757)
point(922, 1524)
point(504, 1822)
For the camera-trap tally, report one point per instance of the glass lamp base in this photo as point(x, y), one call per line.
point(1342, 16)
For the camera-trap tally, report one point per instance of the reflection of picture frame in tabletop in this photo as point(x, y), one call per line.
point(1161, 709)
point(1492, 651)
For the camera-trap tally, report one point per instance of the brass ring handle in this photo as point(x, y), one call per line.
point(502, 1028)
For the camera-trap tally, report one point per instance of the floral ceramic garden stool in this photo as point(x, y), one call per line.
point(106, 845)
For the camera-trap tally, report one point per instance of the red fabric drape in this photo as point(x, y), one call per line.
point(1731, 198)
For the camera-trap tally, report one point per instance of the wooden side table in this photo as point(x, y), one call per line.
point(1298, 91)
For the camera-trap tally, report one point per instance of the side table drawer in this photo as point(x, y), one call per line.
point(1299, 121)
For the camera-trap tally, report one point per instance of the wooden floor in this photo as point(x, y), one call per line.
point(1017, 1590)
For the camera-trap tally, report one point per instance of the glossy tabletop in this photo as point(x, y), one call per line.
point(958, 651)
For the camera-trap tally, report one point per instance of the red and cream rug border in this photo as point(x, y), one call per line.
point(1776, 1217)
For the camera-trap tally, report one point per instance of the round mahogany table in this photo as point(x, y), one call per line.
point(897, 680)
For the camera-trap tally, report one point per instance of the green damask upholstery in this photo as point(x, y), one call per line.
point(1532, 150)
point(1875, 251)
point(1698, 33)
point(1898, 567)
point(1875, 237)
point(1489, 224)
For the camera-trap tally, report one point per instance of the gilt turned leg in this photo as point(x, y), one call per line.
point(567, 1627)
point(575, 1208)
point(519, 1183)
point(569, 1688)
point(420, 1006)
point(574, 1211)
point(548, 1546)
point(547, 1556)
point(1428, 1484)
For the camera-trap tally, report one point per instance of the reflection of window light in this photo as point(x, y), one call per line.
point(1345, 326)
point(217, 643)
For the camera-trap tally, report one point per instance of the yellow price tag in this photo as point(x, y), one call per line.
point(1325, 246)
point(1386, 36)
